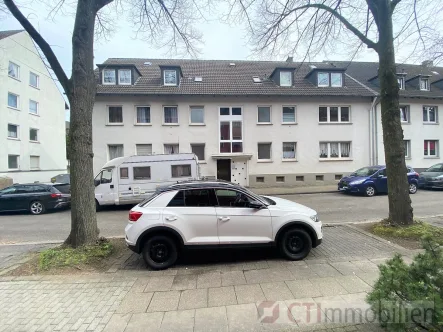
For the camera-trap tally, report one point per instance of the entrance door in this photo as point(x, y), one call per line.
point(224, 169)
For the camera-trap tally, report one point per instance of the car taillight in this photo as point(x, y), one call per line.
point(416, 174)
point(56, 195)
point(134, 215)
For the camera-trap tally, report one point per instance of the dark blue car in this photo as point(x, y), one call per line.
point(372, 179)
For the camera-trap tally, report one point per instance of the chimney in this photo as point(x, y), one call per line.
point(427, 63)
point(290, 59)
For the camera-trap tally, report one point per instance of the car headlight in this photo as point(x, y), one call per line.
point(438, 178)
point(358, 181)
point(315, 218)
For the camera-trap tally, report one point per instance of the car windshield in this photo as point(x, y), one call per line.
point(365, 171)
point(435, 168)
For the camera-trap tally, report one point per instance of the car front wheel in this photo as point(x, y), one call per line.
point(412, 188)
point(36, 207)
point(370, 191)
point(295, 244)
point(160, 252)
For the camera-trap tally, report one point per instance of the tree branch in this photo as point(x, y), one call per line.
point(44, 46)
point(393, 4)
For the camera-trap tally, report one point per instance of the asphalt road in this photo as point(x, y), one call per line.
point(331, 207)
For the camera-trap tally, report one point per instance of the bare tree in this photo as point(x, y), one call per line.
point(304, 27)
point(165, 22)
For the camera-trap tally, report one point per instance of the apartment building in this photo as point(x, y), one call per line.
point(32, 113)
point(256, 123)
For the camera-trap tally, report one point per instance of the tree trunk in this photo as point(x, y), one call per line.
point(400, 209)
point(81, 96)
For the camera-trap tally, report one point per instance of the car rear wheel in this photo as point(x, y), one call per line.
point(412, 188)
point(160, 252)
point(295, 244)
point(370, 191)
point(36, 207)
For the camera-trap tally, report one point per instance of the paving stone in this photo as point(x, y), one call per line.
point(157, 284)
point(211, 320)
point(134, 303)
point(306, 312)
point(324, 270)
point(243, 317)
point(276, 291)
point(329, 286)
point(145, 322)
point(338, 311)
point(369, 277)
point(139, 285)
point(182, 282)
point(210, 279)
point(346, 268)
point(178, 321)
point(353, 284)
point(221, 296)
point(303, 289)
point(164, 301)
point(232, 278)
point(257, 276)
point(366, 265)
point(193, 299)
point(302, 272)
point(249, 293)
point(117, 323)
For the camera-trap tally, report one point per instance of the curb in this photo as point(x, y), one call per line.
point(301, 193)
point(49, 242)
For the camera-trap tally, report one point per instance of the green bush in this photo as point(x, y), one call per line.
point(417, 230)
point(410, 297)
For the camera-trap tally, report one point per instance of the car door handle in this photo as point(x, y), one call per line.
point(171, 218)
point(224, 218)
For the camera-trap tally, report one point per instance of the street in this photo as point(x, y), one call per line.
point(331, 207)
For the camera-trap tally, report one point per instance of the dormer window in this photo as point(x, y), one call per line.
point(170, 77)
point(424, 83)
point(329, 79)
point(124, 77)
point(336, 79)
point(109, 76)
point(285, 78)
point(323, 79)
point(401, 82)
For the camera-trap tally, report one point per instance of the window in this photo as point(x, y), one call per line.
point(319, 177)
point(264, 151)
point(12, 131)
point(236, 111)
point(14, 70)
point(109, 76)
point(199, 150)
point(333, 114)
point(143, 149)
point(404, 114)
point(143, 114)
point(333, 150)
point(142, 173)
point(232, 198)
point(115, 151)
point(424, 84)
point(336, 79)
point(33, 107)
point(34, 80)
point(171, 149)
point(33, 134)
point(323, 79)
point(260, 179)
point(170, 114)
point(104, 176)
point(430, 114)
point(407, 146)
point(124, 77)
point(231, 130)
point(264, 114)
point(225, 111)
point(288, 114)
point(299, 178)
point(170, 77)
point(13, 162)
point(279, 179)
point(401, 82)
point(12, 100)
point(194, 197)
point(124, 173)
point(431, 148)
point(289, 150)
point(35, 162)
point(285, 78)
point(178, 171)
point(115, 115)
point(197, 115)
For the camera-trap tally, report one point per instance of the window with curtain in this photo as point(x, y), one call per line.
point(335, 150)
point(115, 151)
point(285, 78)
point(12, 100)
point(109, 76)
point(170, 77)
point(170, 114)
point(264, 151)
point(143, 149)
point(430, 114)
point(197, 115)
point(33, 79)
point(289, 150)
point(264, 114)
point(199, 150)
point(407, 146)
point(288, 114)
point(171, 148)
point(115, 114)
point(323, 79)
point(14, 70)
point(12, 131)
point(424, 84)
point(13, 162)
point(336, 79)
point(33, 107)
point(334, 114)
point(143, 114)
point(142, 173)
point(180, 171)
point(404, 113)
point(431, 148)
point(35, 162)
point(124, 77)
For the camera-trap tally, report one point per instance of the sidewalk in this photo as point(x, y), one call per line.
point(295, 190)
point(244, 293)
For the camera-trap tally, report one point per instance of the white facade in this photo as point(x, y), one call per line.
point(27, 156)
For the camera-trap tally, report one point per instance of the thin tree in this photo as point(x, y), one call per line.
point(307, 27)
point(160, 22)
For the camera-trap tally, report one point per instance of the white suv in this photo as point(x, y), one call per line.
point(221, 214)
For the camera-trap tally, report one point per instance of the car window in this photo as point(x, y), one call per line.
point(382, 172)
point(9, 191)
point(435, 168)
point(63, 188)
point(232, 198)
point(365, 171)
point(106, 176)
point(194, 197)
point(178, 200)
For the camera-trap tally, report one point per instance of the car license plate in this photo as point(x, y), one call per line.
point(53, 180)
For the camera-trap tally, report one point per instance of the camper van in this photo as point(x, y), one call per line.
point(129, 180)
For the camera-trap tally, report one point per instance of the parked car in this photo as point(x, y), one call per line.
point(372, 180)
point(34, 197)
point(432, 177)
point(199, 214)
point(61, 178)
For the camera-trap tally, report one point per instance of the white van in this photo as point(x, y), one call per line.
point(129, 180)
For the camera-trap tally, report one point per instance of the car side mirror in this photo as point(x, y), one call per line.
point(256, 205)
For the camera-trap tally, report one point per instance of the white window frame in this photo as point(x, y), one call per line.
point(103, 77)
point(295, 115)
point(339, 150)
point(164, 118)
point(195, 107)
point(30, 163)
point(38, 134)
point(401, 82)
point(144, 144)
point(164, 77)
point(116, 144)
point(261, 160)
point(286, 72)
point(270, 115)
point(426, 81)
point(407, 143)
point(328, 113)
point(130, 77)
point(136, 123)
point(318, 79)
point(202, 161)
point(427, 114)
point(408, 114)
point(114, 123)
point(341, 80)
point(37, 104)
point(17, 131)
point(18, 162)
point(295, 151)
point(18, 101)
point(18, 70)
point(230, 118)
point(437, 148)
point(38, 80)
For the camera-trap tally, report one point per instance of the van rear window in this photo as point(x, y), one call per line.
point(124, 174)
point(180, 171)
point(142, 173)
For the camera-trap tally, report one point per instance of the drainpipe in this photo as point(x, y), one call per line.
point(373, 150)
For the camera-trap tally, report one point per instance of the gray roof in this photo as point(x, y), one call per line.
point(8, 33)
point(219, 78)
